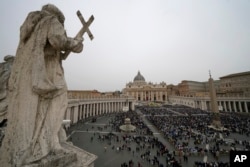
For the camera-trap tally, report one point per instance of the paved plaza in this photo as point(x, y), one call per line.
point(118, 148)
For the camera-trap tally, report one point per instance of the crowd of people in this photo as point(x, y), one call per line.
point(193, 125)
point(147, 149)
point(136, 120)
point(185, 128)
point(141, 143)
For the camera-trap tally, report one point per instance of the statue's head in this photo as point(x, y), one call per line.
point(52, 9)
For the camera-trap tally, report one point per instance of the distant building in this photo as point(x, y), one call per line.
point(232, 91)
point(237, 84)
point(143, 91)
point(194, 88)
point(83, 94)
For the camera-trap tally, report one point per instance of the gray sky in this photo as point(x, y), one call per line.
point(166, 40)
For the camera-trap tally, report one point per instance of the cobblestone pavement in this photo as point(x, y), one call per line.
point(87, 135)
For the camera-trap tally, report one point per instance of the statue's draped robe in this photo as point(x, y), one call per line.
point(38, 91)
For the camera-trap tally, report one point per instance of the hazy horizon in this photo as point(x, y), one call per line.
point(166, 41)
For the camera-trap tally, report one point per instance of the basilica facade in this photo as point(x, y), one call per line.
point(144, 91)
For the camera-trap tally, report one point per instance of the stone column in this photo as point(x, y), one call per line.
point(81, 117)
point(91, 109)
point(100, 108)
point(103, 107)
point(79, 112)
point(240, 107)
point(152, 95)
point(220, 104)
point(106, 107)
point(94, 109)
point(97, 108)
point(84, 111)
point(160, 96)
point(246, 109)
point(109, 109)
point(75, 114)
point(224, 105)
point(234, 106)
point(230, 108)
point(88, 110)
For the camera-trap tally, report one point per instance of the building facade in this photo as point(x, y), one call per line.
point(237, 84)
point(83, 94)
point(194, 88)
point(143, 91)
point(232, 92)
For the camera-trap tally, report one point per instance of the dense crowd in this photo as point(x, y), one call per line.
point(142, 148)
point(193, 125)
point(135, 119)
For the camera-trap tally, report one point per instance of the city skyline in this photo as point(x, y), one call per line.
point(166, 41)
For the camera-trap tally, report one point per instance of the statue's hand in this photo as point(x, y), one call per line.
point(78, 45)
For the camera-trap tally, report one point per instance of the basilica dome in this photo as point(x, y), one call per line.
point(139, 77)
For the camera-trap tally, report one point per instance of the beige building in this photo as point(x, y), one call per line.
point(232, 91)
point(143, 91)
point(232, 85)
point(237, 84)
point(83, 94)
point(194, 88)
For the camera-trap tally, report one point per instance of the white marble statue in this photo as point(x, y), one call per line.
point(37, 89)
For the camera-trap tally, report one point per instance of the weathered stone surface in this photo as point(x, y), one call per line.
point(74, 157)
point(37, 94)
point(5, 69)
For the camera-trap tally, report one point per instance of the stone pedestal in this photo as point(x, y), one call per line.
point(74, 157)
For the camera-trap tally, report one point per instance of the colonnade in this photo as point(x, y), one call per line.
point(228, 104)
point(235, 106)
point(148, 95)
point(85, 108)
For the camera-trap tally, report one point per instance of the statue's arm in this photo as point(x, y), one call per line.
point(58, 39)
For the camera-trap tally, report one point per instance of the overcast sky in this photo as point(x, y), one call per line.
point(166, 40)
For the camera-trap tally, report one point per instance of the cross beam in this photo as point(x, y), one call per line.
point(85, 24)
point(85, 28)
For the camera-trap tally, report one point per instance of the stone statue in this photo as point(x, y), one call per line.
point(37, 89)
point(5, 69)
